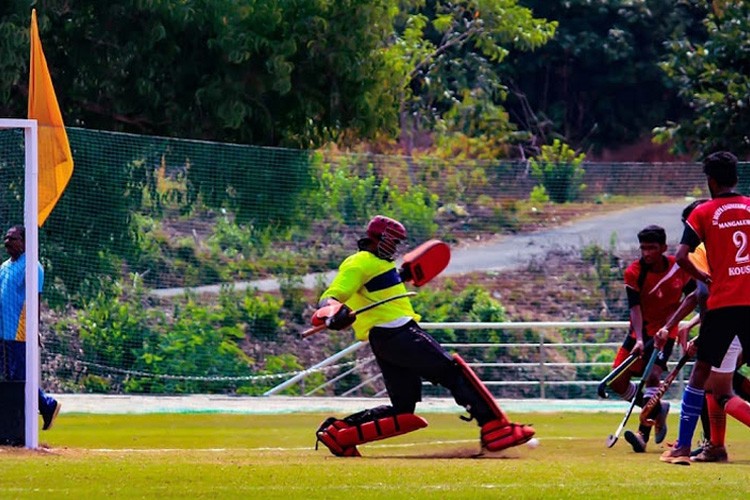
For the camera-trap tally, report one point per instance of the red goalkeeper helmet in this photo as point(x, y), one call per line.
point(386, 233)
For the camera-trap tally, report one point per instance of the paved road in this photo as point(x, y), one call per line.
point(512, 251)
point(508, 252)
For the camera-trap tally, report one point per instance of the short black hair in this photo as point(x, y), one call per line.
point(689, 209)
point(653, 234)
point(20, 229)
point(721, 166)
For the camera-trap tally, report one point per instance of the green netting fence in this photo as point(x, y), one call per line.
point(143, 214)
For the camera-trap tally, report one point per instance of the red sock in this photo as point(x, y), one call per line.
point(622, 355)
point(739, 409)
point(718, 420)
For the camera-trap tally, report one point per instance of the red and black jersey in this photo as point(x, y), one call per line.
point(658, 293)
point(723, 224)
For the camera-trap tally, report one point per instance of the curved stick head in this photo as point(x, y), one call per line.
point(601, 391)
point(611, 440)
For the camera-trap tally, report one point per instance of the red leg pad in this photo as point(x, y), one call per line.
point(381, 428)
point(340, 437)
point(471, 376)
point(498, 435)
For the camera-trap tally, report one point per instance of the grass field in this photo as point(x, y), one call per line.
point(273, 456)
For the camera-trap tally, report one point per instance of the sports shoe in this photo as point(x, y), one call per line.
point(711, 453)
point(500, 434)
point(48, 417)
point(676, 455)
point(660, 427)
point(698, 449)
point(636, 440)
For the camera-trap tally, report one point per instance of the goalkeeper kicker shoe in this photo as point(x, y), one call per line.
point(327, 433)
point(500, 434)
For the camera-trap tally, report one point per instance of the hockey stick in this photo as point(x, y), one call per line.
point(319, 328)
point(617, 371)
point(663, 388)
point(612, 438)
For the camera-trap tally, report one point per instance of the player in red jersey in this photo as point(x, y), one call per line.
point(723, 225)
point(655, 286)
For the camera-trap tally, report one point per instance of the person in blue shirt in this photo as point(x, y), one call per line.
point(13, 318)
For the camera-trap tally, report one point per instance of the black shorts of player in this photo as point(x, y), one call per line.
point(718, 328)
point(406, 355)
point(661, 358)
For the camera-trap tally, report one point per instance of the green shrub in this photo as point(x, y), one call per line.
point(113, 328)
point(262, 315)
point(416, 209)
point(474, 303)
point(559, 170)
point(607, 276)
point(193, 341)
point(347, 193)
point(292, 291)
point(96, 384)
point(539, 195)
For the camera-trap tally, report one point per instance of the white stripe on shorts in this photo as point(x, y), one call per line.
point(729, 363)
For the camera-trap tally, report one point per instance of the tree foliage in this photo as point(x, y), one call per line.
point(450, 81)
point(597, 83)
point(268, 72)
point(713, 77)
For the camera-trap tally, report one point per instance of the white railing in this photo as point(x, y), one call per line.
point(541, 365)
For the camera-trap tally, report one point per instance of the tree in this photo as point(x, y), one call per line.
point(450, 48)
point(597, 83)
point(713, 77)
point(266, 72)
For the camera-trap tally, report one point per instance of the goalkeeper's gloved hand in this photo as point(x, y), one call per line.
point(334, 315)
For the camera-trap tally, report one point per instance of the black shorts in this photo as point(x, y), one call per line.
point(661, 358)
point(718, 328)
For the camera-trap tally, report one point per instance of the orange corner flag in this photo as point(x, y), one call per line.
point(55, 158)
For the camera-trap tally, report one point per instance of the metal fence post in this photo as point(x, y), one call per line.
point(542, 367)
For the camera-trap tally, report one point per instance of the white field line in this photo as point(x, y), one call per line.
point(304, 448)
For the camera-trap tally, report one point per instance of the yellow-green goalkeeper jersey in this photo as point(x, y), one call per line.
point(364, 278)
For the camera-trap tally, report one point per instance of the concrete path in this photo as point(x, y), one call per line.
point(512, 251)
point(508, 252)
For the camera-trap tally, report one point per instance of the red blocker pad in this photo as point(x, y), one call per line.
point(480, 387)
point(425, 262)
point(381, 428)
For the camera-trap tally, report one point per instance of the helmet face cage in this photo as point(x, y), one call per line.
point(387, 233)
point(388, 243)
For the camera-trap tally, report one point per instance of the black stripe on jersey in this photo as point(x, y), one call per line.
point(383, 281)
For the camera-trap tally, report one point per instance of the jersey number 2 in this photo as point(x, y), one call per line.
point(740, 241)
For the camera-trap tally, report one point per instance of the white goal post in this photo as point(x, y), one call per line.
point(31, 216)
